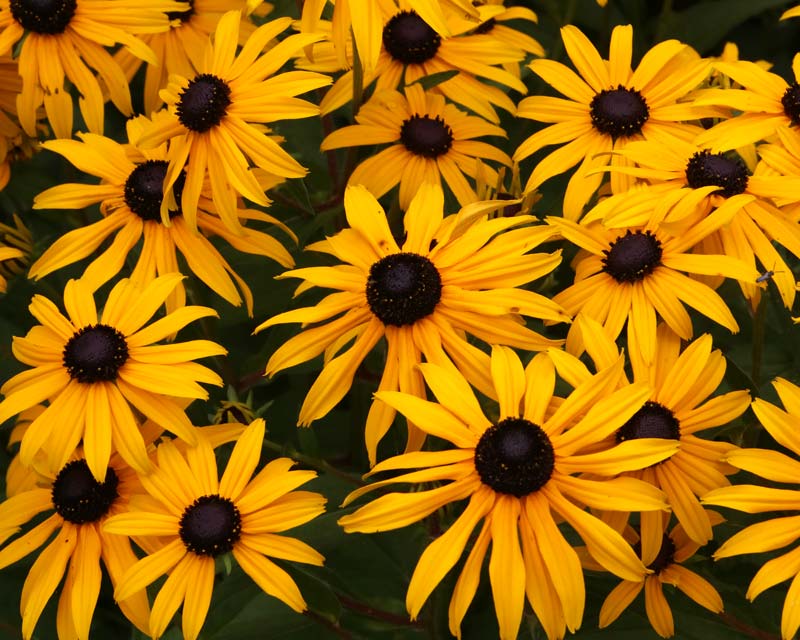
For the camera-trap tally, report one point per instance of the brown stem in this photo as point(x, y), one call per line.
point(378, 614)
point(745, 628)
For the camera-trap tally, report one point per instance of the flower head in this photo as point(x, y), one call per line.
point(446, 278)
point(95, 369)
point(516, 472)
point(197, 516)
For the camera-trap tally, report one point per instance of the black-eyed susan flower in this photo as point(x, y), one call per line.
point(180, 48)
point(791, 13)
point(364, 18)
point(412, 50)
point(663, 553)
point(72, 504)
point(15, 144)
point(15, 248)
point(516, 473)
point(630, 275)
point(606, 106)
point(66, 40)
point(216, 118)
point(94, 369)
point(196, 516)
point(765, 103)
point(679, 408)
point(775, 533)
point(431, 141)
point(423, 295)
point(130, 199)
point(687, 182)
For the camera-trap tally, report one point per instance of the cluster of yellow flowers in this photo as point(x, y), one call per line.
point(535, 413)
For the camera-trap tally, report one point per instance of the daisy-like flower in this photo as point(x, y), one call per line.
point(180, 48)
point(663, 552)
point(791, 13)
point(413, 50)
point(606, 106)
point(446, 280)
point(93, 370)
point(687, 182)
point(767, 102)
point(776, 533)
point(678, 408)
point(65, 40)
point(632, 274)
point(75, 504)
point(15, 247)
point(516, 472)
point(216, 119)
point(197, 517)
point(364, 17)
point(431, 140)
point(130, 198)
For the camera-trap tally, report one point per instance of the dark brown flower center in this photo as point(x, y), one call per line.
point(486, 27)
point(95, 353)
point(426, 136)
point(514, 456)
point(403, 288)
point(653, 420)
point(203, 103)
point(43, 16)
point(143, 190)
point(619, 112)
point(183, 16)
point(791, 103)
point(665, 557)
point(632, 256)
point(78, 497)
point(210, 526)
point(409, 39)
point(706, 169)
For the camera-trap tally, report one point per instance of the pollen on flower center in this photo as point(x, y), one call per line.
point(203, 103)
point(409, 39)
point(211, 526)
point(95, 353)
point(78, 497)
point(403, 288)
point(619, 112)
point(665, 557)
point(143, 190)
point(514, 456)
point(632, 256)
point(706, 169)
point(426, 136)
point(183, 16)
point(791, 103)
point(653, 420)
point(43, 16)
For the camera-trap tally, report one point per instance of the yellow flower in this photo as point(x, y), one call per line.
point(767, 102)
point(94, 369)
point(130, 198)
point(196, 517)
point(413, 50)
point(769, 535)
point(516, 471)
point(66, 39)
point(431, 140)
point(446, 279)
point(630, 274)
point(678, 408)
point(607, 106)
point(76, 504)
point(663, 553)
point(688, 182)
point(216, 119)
point(179, 49)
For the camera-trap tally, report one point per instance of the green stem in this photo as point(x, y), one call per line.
point(759, 329)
